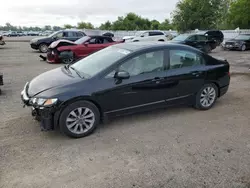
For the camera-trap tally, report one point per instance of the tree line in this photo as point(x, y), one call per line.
point(188, 15)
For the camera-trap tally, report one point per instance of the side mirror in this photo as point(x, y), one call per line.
point(122, 75)
point(86, 43)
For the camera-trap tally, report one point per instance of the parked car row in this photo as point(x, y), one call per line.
point(67, 46)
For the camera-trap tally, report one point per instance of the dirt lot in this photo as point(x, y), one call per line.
point(176, 147)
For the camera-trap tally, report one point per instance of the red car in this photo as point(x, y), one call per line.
point(64, 51)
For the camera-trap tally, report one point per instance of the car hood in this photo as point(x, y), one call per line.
point(128, 37)
point(56, 43)
point(51, 79)
point(38, 38)
point(234, 40)
point(176, 41)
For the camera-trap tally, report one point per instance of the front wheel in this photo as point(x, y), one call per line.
point(206, 97)
point(243, 47)
point(43, 48)
point(79, 119)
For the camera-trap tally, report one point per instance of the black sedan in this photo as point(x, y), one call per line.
point(42, 43)
point(123, 79)
point(198, 41)
point(241, 42)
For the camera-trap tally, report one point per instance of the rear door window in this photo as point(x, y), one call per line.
point(80, 34)
point(183, 58)
point(155, 33)
point(72, 34)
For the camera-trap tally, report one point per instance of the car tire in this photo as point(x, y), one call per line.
point(70, 58)
point(243, 47)
point(206, 97)
point(79, 119)
point(43, 48)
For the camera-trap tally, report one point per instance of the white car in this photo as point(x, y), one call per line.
point(147, 36)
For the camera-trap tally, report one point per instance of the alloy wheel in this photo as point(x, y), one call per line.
point(43, 48)
point(80, 120)
point(243, 48)
point(208, 96)
point(67, 60)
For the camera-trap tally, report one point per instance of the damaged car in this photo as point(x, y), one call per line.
point(64, 51)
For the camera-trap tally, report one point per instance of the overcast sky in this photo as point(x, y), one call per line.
point(60, 12)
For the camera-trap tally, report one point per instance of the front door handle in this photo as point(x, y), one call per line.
point(196, 73)
point(157, 80)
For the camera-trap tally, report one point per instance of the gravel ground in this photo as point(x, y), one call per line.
point(175, 147)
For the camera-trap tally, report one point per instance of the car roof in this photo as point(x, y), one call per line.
point(137, 46)
point(99, 36)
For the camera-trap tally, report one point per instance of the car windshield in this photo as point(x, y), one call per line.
point(55, 33)
point(99, 61)
point(243, 37)
point(180, 38)
point(82, 40)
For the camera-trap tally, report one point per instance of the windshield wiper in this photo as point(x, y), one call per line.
point(77, 72)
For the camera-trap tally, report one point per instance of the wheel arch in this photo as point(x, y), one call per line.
point(216, 84)
point(66, 103)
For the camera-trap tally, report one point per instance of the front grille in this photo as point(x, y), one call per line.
point(230, 43)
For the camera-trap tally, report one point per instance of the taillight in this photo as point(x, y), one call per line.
point(229, 74)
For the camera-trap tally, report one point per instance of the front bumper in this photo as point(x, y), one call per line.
point(232, 46)
point(2, 42)
point(34, 46)
point(46, 115)
point(52, 57)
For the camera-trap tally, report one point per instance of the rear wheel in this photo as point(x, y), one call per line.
point(43, 48)
point(79, 119)
point(206, 97)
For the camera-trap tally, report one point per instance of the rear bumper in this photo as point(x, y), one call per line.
point(223, 90)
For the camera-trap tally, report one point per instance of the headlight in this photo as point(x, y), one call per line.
point(43, 102)
point(33, 41)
